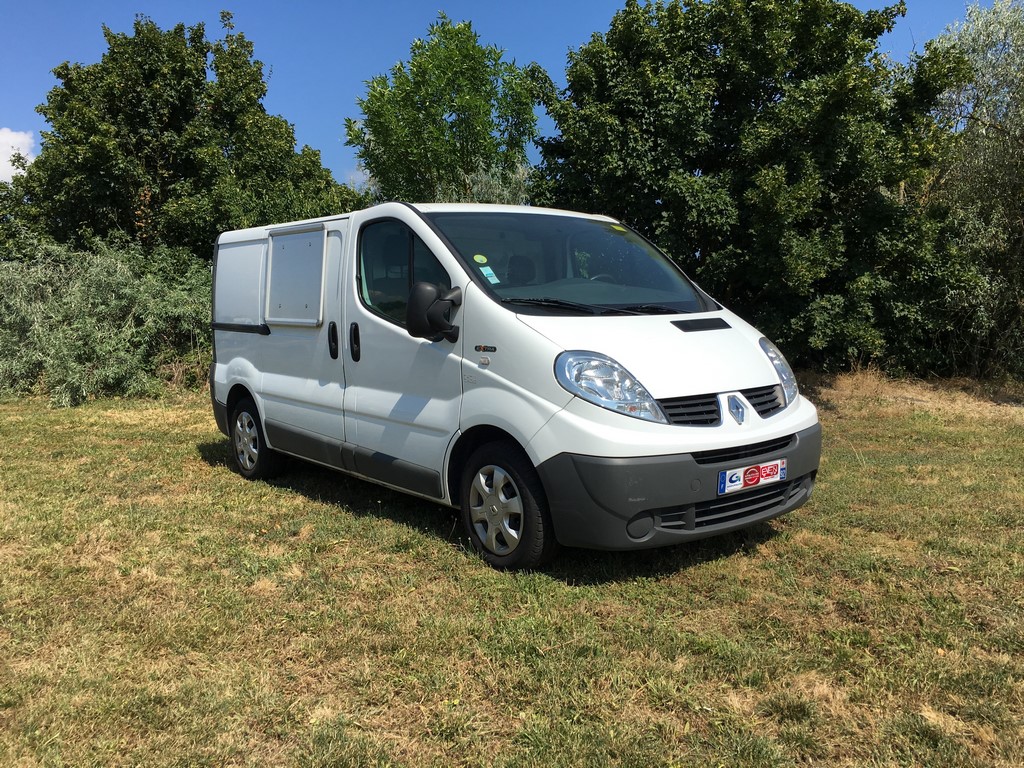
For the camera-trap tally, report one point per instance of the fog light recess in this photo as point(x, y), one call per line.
point(641, 526)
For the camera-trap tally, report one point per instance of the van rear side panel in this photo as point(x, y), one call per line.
point(239, 263)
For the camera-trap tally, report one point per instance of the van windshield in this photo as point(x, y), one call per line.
point(547, 263)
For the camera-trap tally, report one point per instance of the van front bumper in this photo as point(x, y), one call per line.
point(655, 501)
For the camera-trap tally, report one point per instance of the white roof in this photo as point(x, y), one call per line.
point(261, 232)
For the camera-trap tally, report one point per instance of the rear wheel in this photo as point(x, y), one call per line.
point(252, 456)
point(504, 508)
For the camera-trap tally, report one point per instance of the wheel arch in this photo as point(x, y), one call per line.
point(239, 392)
point(464, 447)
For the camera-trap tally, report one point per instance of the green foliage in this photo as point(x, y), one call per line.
point(13, 226)
point(772, 151)
point(102, 322)
point(451, 124)
point(854, 209)
point(166, 140)
point(983, 184)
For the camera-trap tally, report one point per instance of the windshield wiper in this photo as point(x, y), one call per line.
point(576, 306)
point(653, 309)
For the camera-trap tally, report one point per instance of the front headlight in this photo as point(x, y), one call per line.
point(786, 377)
point(602, 381)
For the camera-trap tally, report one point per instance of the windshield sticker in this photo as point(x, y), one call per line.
point(618, 228)
point(489, 274)
point(480, 259)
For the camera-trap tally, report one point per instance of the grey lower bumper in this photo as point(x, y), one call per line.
point(654, 501)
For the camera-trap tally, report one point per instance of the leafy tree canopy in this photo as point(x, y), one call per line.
point(450, 124)
point(769, 148)
point(983, 181)
point(166, 140)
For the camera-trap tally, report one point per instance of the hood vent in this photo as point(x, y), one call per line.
point(701, 324)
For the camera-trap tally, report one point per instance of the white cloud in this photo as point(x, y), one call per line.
point(11, 142)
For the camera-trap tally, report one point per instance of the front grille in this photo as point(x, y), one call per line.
point(739, 452)
point(766, 400)
point(705, 411)
point(694, 411)
point(729, 509)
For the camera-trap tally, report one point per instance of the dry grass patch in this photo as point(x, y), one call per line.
point(157, 609)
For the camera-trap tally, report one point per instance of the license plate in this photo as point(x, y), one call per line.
point(742, 478)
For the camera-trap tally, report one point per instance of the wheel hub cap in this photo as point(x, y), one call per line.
point(496, 510)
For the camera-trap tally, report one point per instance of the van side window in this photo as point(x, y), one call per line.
point(391, 259)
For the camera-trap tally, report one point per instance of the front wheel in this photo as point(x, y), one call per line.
point(252, 456)
point(504, 508)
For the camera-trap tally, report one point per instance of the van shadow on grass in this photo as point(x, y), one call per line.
point(358, 497)
point(572, 566)
point(591, 567)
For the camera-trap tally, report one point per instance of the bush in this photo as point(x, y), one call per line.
point(110, 321)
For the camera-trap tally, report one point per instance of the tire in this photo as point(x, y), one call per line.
point(504, 509)
point(253, 458)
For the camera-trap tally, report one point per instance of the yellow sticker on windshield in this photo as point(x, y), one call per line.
point(618, 227)
point(480, 259)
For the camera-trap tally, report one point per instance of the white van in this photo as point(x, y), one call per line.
point(550, 373)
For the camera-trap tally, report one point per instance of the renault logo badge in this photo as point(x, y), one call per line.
point(736, 409)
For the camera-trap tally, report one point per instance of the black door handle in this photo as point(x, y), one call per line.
point(332, 340)
point(353, 341)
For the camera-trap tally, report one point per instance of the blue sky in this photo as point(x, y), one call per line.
point(318, 55)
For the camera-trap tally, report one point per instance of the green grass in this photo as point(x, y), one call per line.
point(157, 609)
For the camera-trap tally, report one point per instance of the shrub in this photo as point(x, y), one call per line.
point(79, 324)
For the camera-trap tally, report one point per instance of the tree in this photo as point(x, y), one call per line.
point(13, 228)
point(166, 140)
point(772, 151)
point(451, 124)
point(983, 182)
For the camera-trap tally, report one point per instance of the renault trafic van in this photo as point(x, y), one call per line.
point(551, 374)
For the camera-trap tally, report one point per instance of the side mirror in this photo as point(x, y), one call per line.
point(425, 313)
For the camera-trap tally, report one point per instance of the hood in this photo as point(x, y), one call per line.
point(670, 355)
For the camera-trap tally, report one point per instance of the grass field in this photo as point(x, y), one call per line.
point(157, 609)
